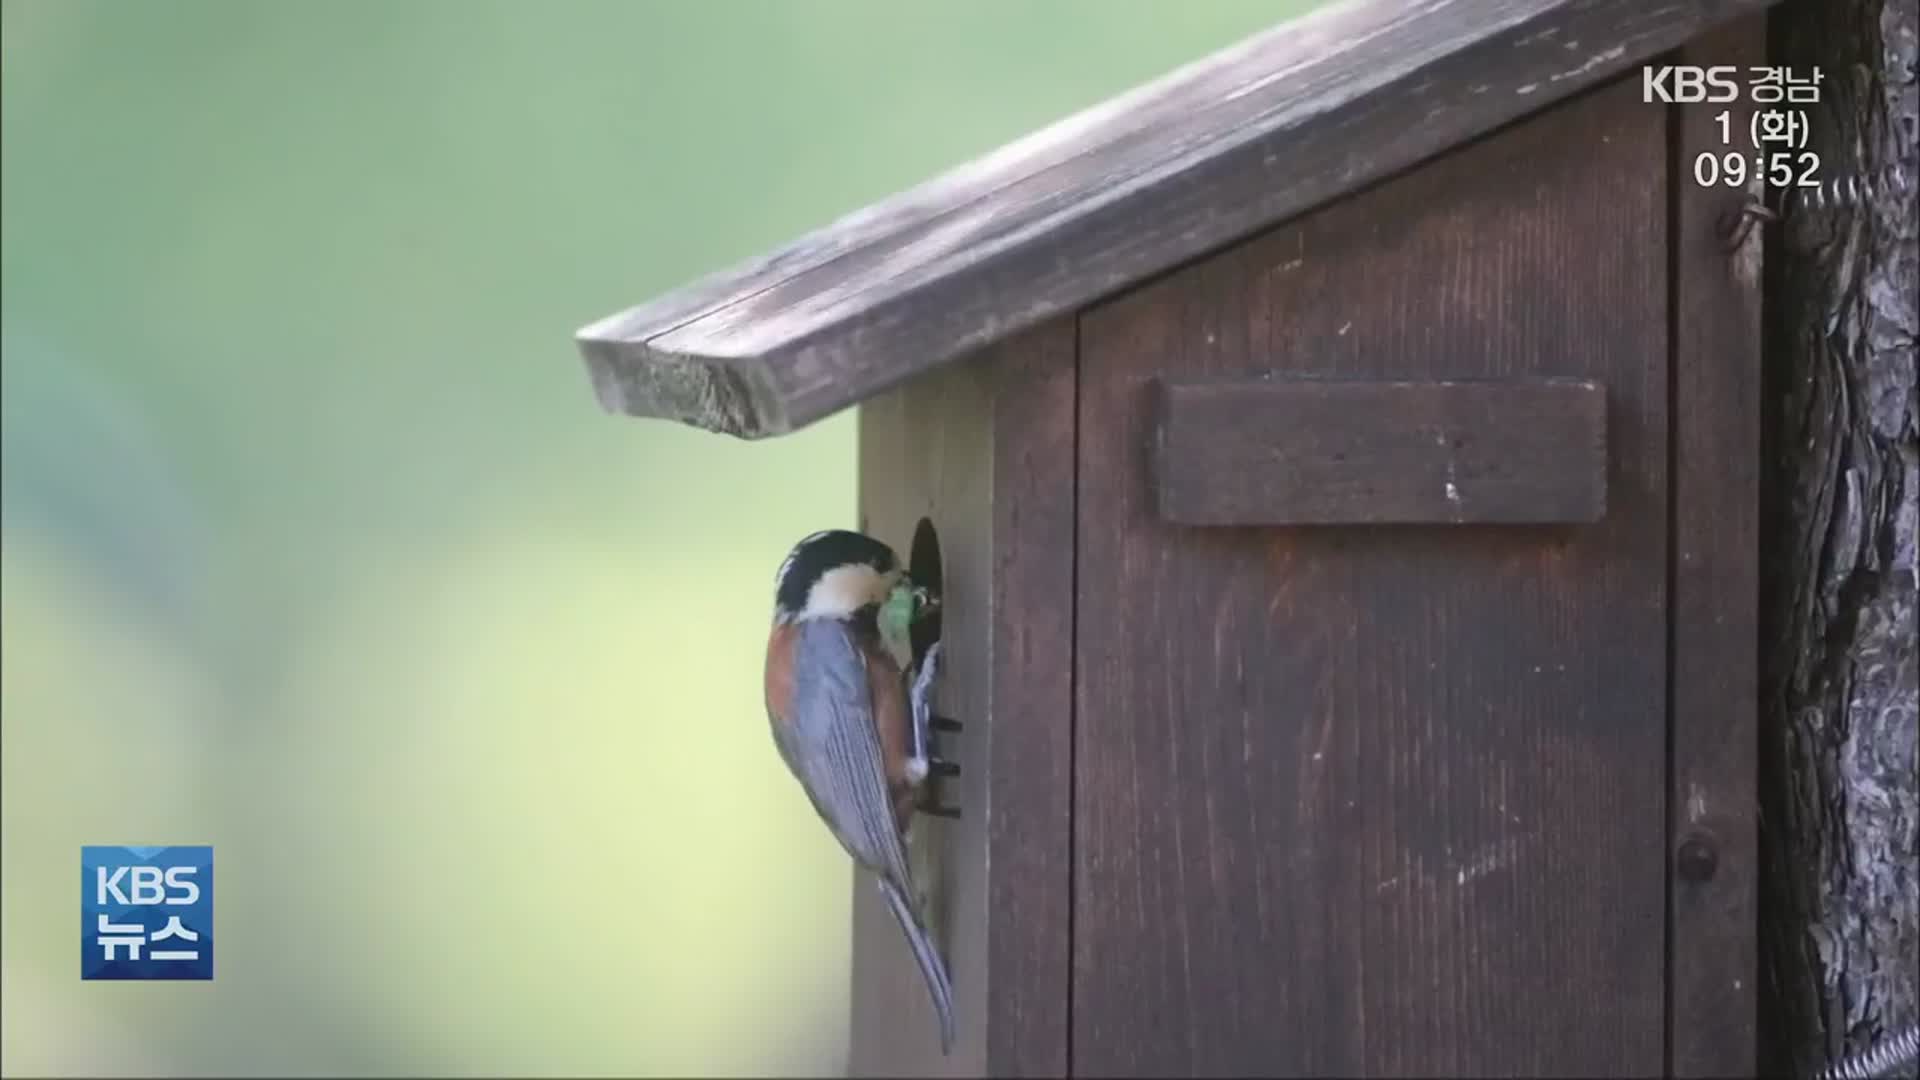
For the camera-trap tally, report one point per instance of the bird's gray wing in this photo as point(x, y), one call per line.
point(787, 740)
point(835, 746)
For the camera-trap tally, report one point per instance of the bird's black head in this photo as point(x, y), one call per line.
point(834, 574)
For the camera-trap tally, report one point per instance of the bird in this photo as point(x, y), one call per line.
point(838, 704)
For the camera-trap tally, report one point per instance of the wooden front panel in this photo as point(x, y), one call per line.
point(1715, 605)
point(1385, 799)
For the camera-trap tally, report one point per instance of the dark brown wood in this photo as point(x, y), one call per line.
point(1249, 137)
point(1029, 824)
point(1386, 801)
point(1275, 451)
point(1713, 804)
point(984, 450)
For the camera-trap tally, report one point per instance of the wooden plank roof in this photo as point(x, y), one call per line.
point(1234, 143)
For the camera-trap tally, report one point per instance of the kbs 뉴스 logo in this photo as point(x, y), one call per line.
point(146, 912)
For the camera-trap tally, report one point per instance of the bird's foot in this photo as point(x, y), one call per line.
point(935, 809)
point(929, 802)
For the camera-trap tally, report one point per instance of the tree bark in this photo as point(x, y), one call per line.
point(1840, 935)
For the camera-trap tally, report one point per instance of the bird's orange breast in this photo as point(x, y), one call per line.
point(893, 722)
point(779, 674)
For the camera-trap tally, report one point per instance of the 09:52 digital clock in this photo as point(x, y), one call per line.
point(1792, 168)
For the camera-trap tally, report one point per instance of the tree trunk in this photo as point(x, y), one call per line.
point(1840, 935)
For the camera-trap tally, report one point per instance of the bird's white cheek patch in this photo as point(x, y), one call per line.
point(843, 590)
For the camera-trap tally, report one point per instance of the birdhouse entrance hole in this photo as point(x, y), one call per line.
point(923, 565)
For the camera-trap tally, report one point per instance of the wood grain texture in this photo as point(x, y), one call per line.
point(1291, 118)
point(1385, 802)
point(984, 450)
point(1713, 805)
point(1357, 452)
point(1030, 747)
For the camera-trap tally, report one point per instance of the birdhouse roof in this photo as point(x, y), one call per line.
point(1234, 143)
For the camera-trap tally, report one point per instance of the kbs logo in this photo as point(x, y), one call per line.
point(146, 912)
point(1688, 85)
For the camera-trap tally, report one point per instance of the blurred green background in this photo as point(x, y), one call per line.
point(318, 549)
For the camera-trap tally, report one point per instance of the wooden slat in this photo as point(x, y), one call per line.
point(1340, 452)
point(986, 452)
point(1716, 492)
point(1386, 802)
point(1248, 137)
point(1029, 824)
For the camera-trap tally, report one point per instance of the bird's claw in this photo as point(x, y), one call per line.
point(933, 809)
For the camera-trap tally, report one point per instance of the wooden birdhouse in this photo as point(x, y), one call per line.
point(1338, 461)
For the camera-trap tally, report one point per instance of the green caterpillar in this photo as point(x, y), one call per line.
point(905, 605)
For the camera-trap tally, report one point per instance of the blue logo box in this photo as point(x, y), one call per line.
point(146, 912)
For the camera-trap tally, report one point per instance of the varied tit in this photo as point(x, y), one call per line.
point(837, 702)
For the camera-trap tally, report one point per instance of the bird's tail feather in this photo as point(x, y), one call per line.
point(931, 966)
